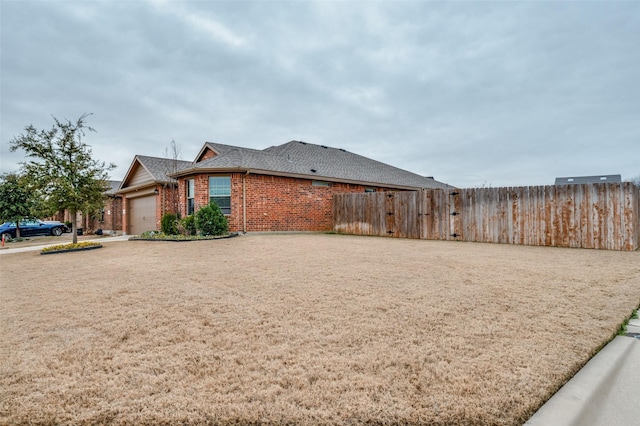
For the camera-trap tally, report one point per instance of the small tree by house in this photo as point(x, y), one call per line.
point(16, 200)
point(61, 170)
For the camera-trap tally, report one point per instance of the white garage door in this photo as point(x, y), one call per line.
point(142, 214)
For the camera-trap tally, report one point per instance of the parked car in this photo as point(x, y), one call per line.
point(67, 225)
point(29, 228)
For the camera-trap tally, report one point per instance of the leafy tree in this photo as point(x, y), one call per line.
point(62, 169)
point(211, 221)
point(16, 200)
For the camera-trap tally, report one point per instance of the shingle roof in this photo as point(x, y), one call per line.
point(113, 187)
point(314, 161)
point(160, 168)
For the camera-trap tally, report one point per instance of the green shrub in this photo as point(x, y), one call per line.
point(169, 224)
point(210, 221)
point(187, 225)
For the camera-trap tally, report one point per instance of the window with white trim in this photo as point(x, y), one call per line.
point(190, 196)
point(220, 192)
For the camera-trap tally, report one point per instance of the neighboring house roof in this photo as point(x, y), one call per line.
point(114, 185)
point(146, 171)
point(588, 179)
point(309, 161)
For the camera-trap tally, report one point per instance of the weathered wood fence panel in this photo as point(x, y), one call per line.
point(380, 213)
point(599, 216)
point(361, 215)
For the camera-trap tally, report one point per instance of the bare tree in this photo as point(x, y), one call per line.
point(173, 153)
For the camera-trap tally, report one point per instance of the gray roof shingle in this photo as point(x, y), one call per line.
point(113, 187)
point(161, 168)
point(314, 161)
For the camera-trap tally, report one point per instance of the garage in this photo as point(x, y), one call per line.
point(142, 214)
point(147, 190)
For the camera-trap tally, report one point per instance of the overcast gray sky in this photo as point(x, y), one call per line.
point(472, 93)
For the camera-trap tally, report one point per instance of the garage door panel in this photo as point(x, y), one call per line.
point(142, 214)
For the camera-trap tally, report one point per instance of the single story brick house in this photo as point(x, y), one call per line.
point(148, 192)
point(287, 187)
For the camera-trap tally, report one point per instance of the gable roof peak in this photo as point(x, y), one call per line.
point(157, 169)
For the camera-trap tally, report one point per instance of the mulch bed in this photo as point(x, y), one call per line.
point(71, 250)
point(182, 240)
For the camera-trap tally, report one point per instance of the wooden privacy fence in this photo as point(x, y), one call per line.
point(599, 216)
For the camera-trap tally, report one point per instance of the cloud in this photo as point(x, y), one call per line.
point(506, 93)
point(201, 24)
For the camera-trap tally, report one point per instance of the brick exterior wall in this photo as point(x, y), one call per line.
point(273, 203)
point(167, 201)
point(201, 185)
point(208, 153)
point(125, 211)
point(110, 220)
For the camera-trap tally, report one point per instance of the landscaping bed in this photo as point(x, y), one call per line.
point(71, 247)
point(46, 240)
point(159, 236)
point(303, 329)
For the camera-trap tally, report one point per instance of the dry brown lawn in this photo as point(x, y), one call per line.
point(302, 329)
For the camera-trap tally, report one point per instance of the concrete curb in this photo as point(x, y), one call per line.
point(583, 399)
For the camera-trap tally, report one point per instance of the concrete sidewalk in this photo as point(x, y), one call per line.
point(100, 240)
point(605, 392)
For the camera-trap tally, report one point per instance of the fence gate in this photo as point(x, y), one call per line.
point(402, 210)
point(441, 214)
point(389, 214)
